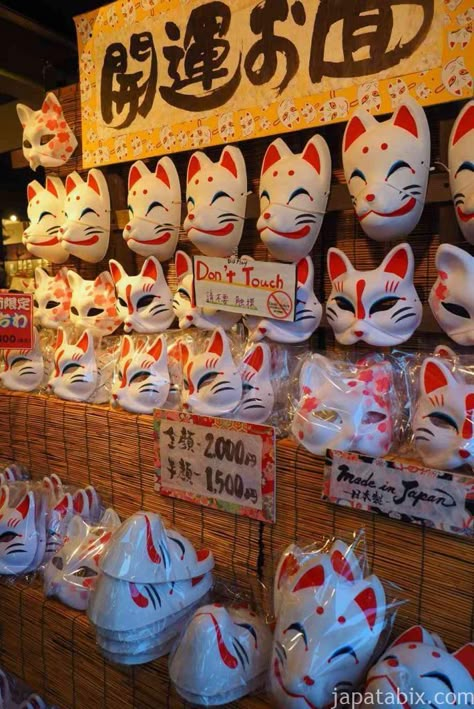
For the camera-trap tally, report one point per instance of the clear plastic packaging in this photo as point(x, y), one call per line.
point(28, 370)
point(15, 694)
point(22, 528)
point(13, 472)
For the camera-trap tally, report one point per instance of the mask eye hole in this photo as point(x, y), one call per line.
point(27, 144)
point(145, 301)
point(184, 294)
point(57, 562)
point(344, 303)
point(122, 302)
point(383, 304)
point(456, 309)
point(74, 310)
point(8, 537)
point(52, 304)
point(328, 415)
point(140, 377)
point(373, 417)
point(84, 572)
point(442, 420)
point(95, 311)
point(35, 303)
point(46, 138)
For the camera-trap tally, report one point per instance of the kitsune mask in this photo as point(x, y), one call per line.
point(47, 138)
point(19, 536)
point(154, 205)
point(216, 199)
point(294, 191)
point(46, 215)
point(417, 664)
point(143, 381)
point(144, 302)
point(381, 306)
point(211, 382)
point(222, 655)
point(24, 369)
point(443, 418)
point(386, 165)
point(52, 298)
point(93, 303)
point(344, 410)
point(450, 299)
point(86, 230)
point(461, 170)
point(329, 620)
point(76, 376)
point(185, 309)
point(257, 391)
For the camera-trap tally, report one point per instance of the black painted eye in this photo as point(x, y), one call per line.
point(344, 303)
point(57, 562)
point(140, 377)
point(8, 537)
point(71, 367)
point(27, 144)
point(95, 311)
point(456, 309)
point(46, 138)
point(184, 293)
point(52, 304)
point(35, 303)
point(84, 572)
point(145, 301)
point(122, 302)
point(382, 304)
point(74, 310)
point(442, 420)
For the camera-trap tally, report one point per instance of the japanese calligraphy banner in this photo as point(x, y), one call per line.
point(16, 321)
point(159, 76)
point(401, 490)
point(226, 465)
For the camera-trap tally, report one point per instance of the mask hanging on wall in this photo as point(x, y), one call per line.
point(24, 369)
point(47, 138)
point(451, 298)
point(46, 215)
point(52, 298)
point(461, 170)
point(93, 303)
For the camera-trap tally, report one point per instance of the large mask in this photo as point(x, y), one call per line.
point(93, 304)
point(86, 230)
point(386, 165)
point(450, 299)
point(461, 170)
point(144, 302)
point(443, 417)
point(381, 306)
point(344, 410)
point(47, 138)
point(76, 376)
point(211, 381)
point(46, 215)
point(417, 664)
point(143, 381)
point(294, 191)
point(24, 369)
point(216, 199)
point(22, 540)
point(154, 205)
point(52, 298)
point(258, 396)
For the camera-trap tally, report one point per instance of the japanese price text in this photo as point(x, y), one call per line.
point(16, 321)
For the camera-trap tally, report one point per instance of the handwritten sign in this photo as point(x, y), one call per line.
point(252, 287)
point(401, 490)
point(224, 464)
point(16, 321)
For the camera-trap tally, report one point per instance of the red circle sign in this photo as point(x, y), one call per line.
point(279, 304)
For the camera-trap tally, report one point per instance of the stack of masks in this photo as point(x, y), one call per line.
point(151, 580)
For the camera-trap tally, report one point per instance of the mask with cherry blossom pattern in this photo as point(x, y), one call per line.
point(76, 376)
point(93, 303)
point(216, 199)
point(258, 396)
point(52, 298)
point(380, 306)
point(450, 299)
point(47, 138)
point(154, 206)
point(386, 166)
point(24, 369)
point(46, 215)
point(461, 170)
point(294, 190)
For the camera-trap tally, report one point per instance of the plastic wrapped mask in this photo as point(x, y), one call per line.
point(386, 165)
point(450, 299)
point(24, 369)
point(307, 313)
point(93, 304)
point(211, 381)
point(154, 205)
point(417, 664)
point(329, 620)
point(33, 701)
point(443, 418)
point(216, 199)
point(258, 396)
point(52, 298)
point(461, 170)
point(76, 376)
point(46, 215)
point(22, 530)
point(222, 656)
point(185, 309)
point(143, 381)
point(344, 410)
point(86, 229)
point(294, 191)
point(144, 301)
point(381, 306)
point(47, 138)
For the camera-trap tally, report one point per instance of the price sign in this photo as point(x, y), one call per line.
point(16, 321)
point(215, 462)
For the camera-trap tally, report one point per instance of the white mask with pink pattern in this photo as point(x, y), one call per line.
point(93, 303)
point(46, 215)
point(461, 170)
point(450, 298)
point(52, 298)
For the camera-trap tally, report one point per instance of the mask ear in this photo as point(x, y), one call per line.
point(218, 344)
point(40, 276)
point(127, 347)
point(85, 342)
point(77, 528)
point(26, 504)
point(96, 181)
point(399, 261)
point(451, 259)
point(305, 272)
point(344, 562)
point(117, 271)
point(232, 160)
point(275, 152)
point(464, 123)
point(74, 279)
point(338, 263)
point(410, 117)
point(49, 101)
point(434, 375)
point(73, 180)
point(465, 655)
point(196, 162)
point(360, 122)
point(152, 269)
point(110, 519)
point(64, 506)
point(183, 264)
point(288, 567)
point(415, 634)
point(24, 113)
point(4, 496)
point(33, 189)
point(184, 353)
point(80, 502)
point(136, 172)
point(51, 186)
point(317, 153)
point(158, 349)
point(104, 279)
point(256, 358)
point(311, 155)
point(314, 577)
point(371, 601)
point(61, 338)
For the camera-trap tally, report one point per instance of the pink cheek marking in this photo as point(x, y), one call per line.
point(382, 427)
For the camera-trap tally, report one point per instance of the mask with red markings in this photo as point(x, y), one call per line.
point(52, 298)
point(46, 215)
point(461, 169)
point(22, 532)
point(93, 303)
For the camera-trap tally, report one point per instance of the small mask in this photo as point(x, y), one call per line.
point(211, 381)
point(154, 205)
point(216, 199)
point(450, 299)
point(24, 369)
point(47, 138)
point(21, 541)
point(307, 313)
point(386, 165)
point(344, 410)
point(144, 301)
point(294, 191)
point(461, 170)
point(143, 381)
point(76, 376)
point(185, 309)
point(93, 303)
point(257, 391)
point(86, 230)
point(52, 298)
point(381, 306)
point(222, 656)
point(46, 215)
point(417, 664)
point(443, 418)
